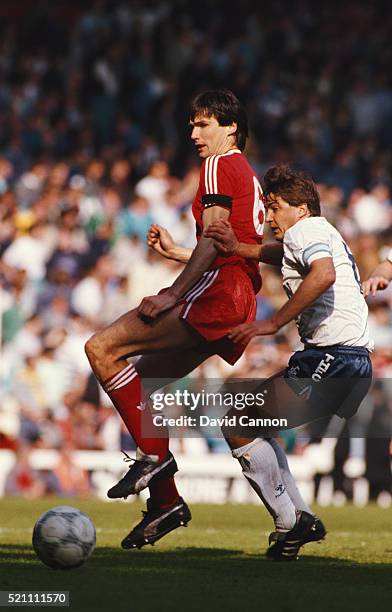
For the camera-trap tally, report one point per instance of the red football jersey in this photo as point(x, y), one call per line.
point(229, 181)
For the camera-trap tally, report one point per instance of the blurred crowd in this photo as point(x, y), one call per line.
point(113, 79)
point(94, 147)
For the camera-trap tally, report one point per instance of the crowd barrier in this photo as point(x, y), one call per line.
point(209, 478)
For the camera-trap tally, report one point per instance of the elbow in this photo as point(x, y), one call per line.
point(329, 278)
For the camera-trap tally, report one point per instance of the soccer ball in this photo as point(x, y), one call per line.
point(64, 537)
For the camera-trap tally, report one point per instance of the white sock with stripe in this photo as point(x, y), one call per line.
point(260, 467)
point(288, 479)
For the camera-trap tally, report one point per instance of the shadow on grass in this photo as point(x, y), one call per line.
point(195, 558)
point(191, 578)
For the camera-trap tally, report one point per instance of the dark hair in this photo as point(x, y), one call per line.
point(226, 108)
point(294, 187)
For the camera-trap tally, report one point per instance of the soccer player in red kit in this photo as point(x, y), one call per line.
point(186, 323)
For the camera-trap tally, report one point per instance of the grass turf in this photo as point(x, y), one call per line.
point(215, 563)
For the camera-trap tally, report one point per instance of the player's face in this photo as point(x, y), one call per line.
point(210, 138)
point(281, 216)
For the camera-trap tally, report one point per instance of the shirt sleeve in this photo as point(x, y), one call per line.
point(307, 244)
point(217, 183)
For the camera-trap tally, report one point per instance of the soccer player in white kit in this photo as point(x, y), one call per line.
point(332, 374)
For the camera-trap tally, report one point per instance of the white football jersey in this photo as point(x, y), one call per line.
point(389, 257)
point(340, 314)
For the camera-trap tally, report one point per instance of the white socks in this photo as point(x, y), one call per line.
point(260, 466)
point(287, 477)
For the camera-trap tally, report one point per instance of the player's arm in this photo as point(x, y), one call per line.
point(320, 277)
point(227, 243)
point(202, 257)
point(161, 241)
point(379, 278)
point(272, 254)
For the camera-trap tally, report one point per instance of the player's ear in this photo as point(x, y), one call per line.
point(303, 210)
point(232, 129)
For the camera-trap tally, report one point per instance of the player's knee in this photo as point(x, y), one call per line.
point(89, 347)
point(95, 348)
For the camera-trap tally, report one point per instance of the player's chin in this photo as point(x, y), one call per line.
point(203, 152)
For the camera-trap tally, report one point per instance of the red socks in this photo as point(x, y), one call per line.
point(163, 492)
point(125, 391)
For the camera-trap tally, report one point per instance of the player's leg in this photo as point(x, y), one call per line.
point(261, 468)
point(156, 372)
point(129, 335)
point(282, 395)
point(343, 387)
point(265, 467)
point(173, 365)
point(107, 351)
point(318, 530)
point(156, 523)
point(166, 510)
point(340, 391)
point(288, 478)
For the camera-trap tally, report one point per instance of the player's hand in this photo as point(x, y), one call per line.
point(224, 238)
point(373, 284)
point(160, 240)
point(245, 332)
point(150, 307)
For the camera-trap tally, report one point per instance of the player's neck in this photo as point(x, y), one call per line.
point(228, 149)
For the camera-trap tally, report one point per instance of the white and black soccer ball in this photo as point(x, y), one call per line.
point(64, 537)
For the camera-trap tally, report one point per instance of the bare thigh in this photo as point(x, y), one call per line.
point(161, 369)
point(129, 336)
point(281, 402)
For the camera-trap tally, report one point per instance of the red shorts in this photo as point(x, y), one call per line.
point(220, 300)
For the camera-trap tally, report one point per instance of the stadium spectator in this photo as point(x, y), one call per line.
point(23, 480)
point(72, 480)
point(90, 110)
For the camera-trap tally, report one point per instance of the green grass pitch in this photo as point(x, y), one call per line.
point(215, 563)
